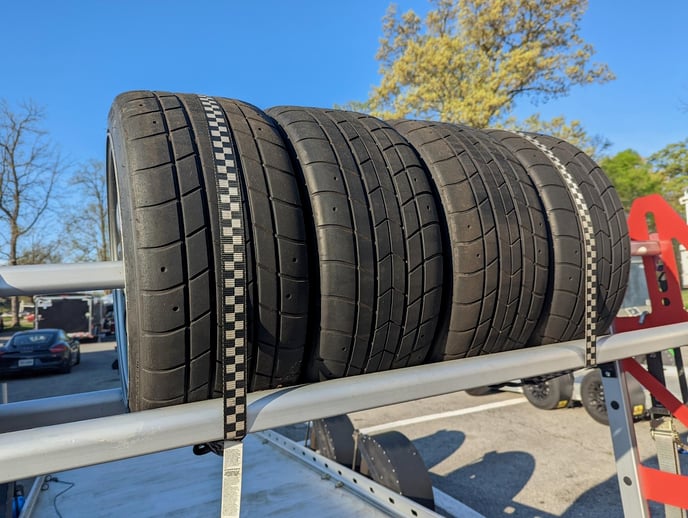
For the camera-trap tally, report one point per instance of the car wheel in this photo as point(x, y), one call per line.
point(551, 394)
point(67, 367)
point(592, 397)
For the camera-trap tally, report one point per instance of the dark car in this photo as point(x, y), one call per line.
point(39, 349)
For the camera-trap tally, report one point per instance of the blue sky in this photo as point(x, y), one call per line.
point(74, 57)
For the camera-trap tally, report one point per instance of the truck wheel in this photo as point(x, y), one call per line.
point(550, 394)
point(377, 251)
point(167, 225)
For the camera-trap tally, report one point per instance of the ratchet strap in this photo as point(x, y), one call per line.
point(232, 319)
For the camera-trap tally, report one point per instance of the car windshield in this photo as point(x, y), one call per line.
point(33, 339)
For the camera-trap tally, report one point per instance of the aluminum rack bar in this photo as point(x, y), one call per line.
point(60, 409)
point(44, 279)
point(65, 446)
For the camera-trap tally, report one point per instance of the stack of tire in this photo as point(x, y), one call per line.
point(369, 245)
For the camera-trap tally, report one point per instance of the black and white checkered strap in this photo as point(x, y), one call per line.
point(232, 270)
point(585, 220)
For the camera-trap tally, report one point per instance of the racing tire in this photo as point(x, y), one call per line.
point(563, 317)
point(375, 242)
point(165, 226)
point(609, 222)
point(494, 226)
point(551, 394)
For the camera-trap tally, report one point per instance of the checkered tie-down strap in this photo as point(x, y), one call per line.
point(232, 271)
point(590, 250)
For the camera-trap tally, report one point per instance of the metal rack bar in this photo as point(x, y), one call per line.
point(60, 278)
point(60, 409)
point(66, 446)
point(624, 443)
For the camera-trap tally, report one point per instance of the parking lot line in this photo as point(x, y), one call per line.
point(442, 415)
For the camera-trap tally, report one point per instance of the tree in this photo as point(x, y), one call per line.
point(29, 166)
point(671, 162)
point(631, 175)
point(39, 252)
point(469, 61)
point(86, 225)
point(573, 132)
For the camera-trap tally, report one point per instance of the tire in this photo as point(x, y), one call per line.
point(78, 358)
point(277, 286)
point(609, 221)
point(494, 227)
point(376, 245)
point(592, 397)
point(165, 226)
point(480, 391)
point(563, 315)
point(67, 368)
point(550, 394)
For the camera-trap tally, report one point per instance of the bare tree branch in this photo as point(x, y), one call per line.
point(29, 168)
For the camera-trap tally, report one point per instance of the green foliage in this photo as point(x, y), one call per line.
point(631, 175)
point(671, 162)
point(470, 60)
point(570, 131)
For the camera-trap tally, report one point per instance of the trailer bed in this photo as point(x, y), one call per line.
point(179, 483)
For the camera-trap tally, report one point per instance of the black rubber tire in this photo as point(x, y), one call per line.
point(480, 391)
point(494, 227)
point(162, 191)
point(67, 368)
point(551, 394)
point(563, 315)
point(277, 258)
point(78, 358)
point(609, 220)
point(592, 396)
point(376, 244)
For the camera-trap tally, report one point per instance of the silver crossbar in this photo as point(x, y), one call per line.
point(43, 279)
point(71, 445)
